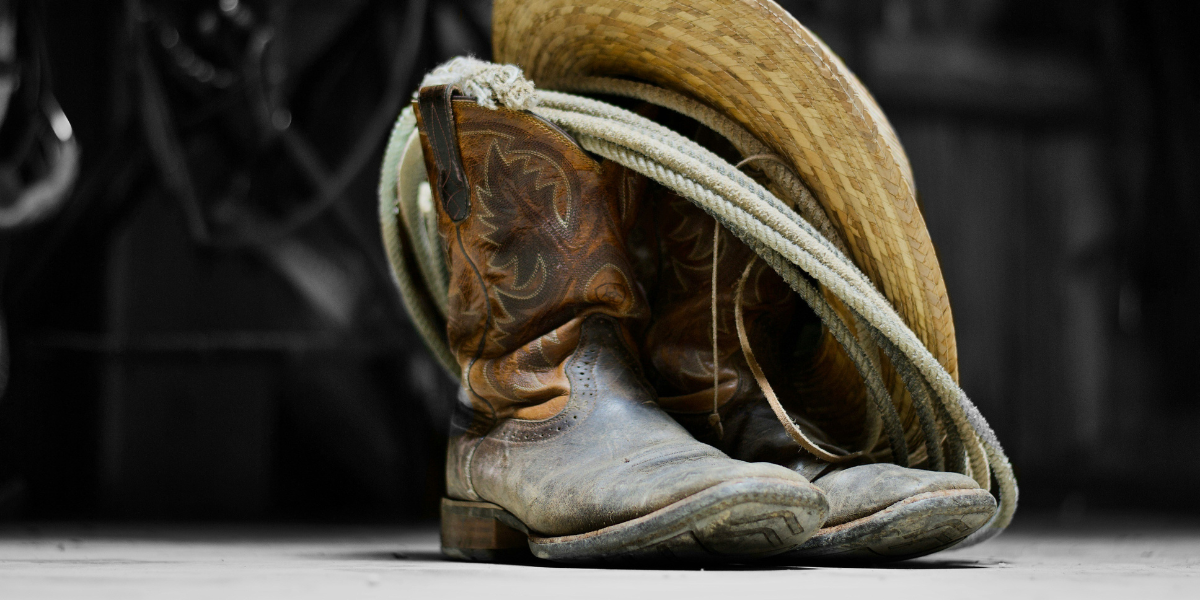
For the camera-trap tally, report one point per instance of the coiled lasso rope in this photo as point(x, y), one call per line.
point(793, 236)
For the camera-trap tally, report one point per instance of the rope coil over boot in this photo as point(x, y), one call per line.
point(877, 511)
point(557, 444)
point(916, 405)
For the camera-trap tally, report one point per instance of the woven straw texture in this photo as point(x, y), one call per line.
point(754, 62)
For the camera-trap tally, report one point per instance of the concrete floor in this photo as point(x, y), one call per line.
point(1115, 558)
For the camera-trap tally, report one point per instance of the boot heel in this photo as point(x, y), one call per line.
point(476, 531)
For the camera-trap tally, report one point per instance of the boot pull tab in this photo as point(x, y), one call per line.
point(437, 117)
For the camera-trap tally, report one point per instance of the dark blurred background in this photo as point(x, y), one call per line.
point(206, 329)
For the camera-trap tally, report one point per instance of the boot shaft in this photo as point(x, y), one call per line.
point(811, 373)
point(679, 342)
point(534, 233)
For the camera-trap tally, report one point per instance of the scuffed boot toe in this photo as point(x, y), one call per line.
point(883, 512)
point(860, 491)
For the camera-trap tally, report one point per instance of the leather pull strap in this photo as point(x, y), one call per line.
point(437, 117)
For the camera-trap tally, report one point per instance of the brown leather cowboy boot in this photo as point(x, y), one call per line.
point(557, 443)
point(877, 511)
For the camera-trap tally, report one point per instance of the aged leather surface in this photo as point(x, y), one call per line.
point(557, 423)
point(542, 249)
point(854, 490)
point(860, 491)
point(678, 347)
point(612, 455)
point(752, 432)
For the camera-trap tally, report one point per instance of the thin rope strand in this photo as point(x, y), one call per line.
point(715, 418)
point(781, 414)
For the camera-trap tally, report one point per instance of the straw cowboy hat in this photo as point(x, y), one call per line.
point(756, 64)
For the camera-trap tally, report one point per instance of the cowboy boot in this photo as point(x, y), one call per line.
point(877, 511)
point(557, 444)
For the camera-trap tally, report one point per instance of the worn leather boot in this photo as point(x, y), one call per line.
point(557, 444)
point(877, 511)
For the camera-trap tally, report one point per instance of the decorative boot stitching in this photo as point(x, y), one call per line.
point(486, 327)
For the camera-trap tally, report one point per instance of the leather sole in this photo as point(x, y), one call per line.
point(743, 519)
point(914, 527)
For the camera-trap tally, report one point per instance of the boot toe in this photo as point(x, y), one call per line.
point(860, 491)
point(602, 491)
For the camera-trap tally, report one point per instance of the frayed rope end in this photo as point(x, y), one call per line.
point(488, 83)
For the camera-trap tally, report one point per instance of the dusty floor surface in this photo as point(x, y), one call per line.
point(1114, 558)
